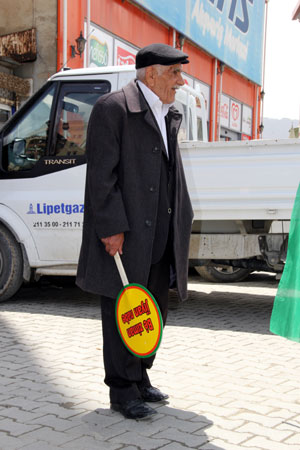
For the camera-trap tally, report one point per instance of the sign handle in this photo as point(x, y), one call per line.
point(121, 269)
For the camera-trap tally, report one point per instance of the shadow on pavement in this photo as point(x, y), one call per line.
point(55, 296)
point(254, 279)
point(222, 311)
point(35, 407)
point(169, 424)
point(213, 308)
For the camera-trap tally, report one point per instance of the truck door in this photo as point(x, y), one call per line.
point(43, 170)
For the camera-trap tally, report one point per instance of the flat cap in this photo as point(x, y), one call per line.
point(159, 54)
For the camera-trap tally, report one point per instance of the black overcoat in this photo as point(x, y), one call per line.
point(124, 151)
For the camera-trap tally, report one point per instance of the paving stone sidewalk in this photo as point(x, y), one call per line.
point(232, 384)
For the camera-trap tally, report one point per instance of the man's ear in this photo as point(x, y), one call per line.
point(150, 76)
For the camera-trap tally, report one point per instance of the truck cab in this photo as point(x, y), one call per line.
point(42, 171)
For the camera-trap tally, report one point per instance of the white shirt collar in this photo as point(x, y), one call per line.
point(159, 109)
point(153, 100)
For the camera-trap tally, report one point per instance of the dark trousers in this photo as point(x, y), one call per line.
point(124, 372)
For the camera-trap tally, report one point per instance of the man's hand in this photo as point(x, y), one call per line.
point(114, 244)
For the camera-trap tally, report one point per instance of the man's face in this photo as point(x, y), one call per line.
point(164, 81)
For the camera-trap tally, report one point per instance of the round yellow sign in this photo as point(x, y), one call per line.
point(139, 320)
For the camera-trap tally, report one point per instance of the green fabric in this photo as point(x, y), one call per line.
point(285, 318)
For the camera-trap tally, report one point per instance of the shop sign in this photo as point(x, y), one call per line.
point(235, 115)
point(124, 54)
point(247, 120)
point(101, 48)
point(245, 137)
point(230, 30)
point(224, 111)
point(19, 46)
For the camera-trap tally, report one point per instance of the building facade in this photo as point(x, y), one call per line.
point(224, 40)
point(28, 50)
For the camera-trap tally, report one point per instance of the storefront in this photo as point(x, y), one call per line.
point(13, 90)
point(15, 49)
point(224, 41)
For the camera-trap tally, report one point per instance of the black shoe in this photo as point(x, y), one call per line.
point(152, 394)
point(133, 409)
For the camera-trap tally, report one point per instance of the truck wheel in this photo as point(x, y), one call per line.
point(224, 274)
point(11, 265)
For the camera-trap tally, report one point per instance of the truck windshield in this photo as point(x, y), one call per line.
point(26, 142)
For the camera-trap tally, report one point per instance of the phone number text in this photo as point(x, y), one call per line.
point(48, 224)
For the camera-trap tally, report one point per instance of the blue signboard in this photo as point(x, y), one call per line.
point(230, 30)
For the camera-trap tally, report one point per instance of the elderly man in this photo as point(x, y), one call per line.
point(137, 204)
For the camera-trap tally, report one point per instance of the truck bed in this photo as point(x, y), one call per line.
point(240, 180)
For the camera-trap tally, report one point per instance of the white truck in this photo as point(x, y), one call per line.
point(239, 190)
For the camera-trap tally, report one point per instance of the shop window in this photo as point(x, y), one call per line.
point(182, 133)
point(5, 113)
point(185, 132)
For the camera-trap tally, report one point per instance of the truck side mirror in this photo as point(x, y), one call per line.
point(19, 146)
